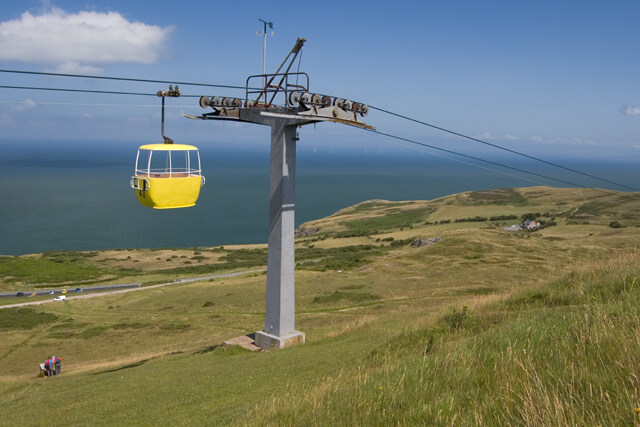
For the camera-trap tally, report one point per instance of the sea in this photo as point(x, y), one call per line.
point(57, 196)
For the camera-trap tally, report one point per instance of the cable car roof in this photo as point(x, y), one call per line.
point(167, 147)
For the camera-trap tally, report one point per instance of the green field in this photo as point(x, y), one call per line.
point(485, 326)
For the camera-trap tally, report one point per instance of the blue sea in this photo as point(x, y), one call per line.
point(57, 196)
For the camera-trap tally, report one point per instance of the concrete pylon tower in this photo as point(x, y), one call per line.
point(279, 324)
point(298, 108)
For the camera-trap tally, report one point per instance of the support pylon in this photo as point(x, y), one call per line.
point(298, 108)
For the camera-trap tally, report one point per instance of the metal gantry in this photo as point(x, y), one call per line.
point(283, 103)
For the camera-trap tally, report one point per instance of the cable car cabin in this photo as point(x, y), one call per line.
point(167, 176)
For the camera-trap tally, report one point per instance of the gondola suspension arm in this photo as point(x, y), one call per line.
point(174, 93)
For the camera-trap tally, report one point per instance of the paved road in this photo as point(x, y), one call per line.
point(118, 289)
point(72, 289)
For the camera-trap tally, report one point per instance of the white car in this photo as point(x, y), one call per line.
point(60, 298)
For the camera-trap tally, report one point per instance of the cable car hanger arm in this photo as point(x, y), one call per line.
point(174, 93)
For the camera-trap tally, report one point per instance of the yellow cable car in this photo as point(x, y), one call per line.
point(167, 176)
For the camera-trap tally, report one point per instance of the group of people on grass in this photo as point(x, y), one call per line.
point(51, 366)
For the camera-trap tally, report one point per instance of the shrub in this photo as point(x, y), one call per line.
point(457, 319)
point(530, 216)
point(473, 219)
point(402, 242)
point(503, 217)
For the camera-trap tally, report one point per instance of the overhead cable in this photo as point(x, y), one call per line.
point(110, 92)
point(476, 158)
point(85, 76)
point(373, 107)
point(500, 147)
point(453, 159)
point(86, 104)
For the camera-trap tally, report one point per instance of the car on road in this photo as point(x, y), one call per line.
point(78, 290)
point(20, 294)
point(60, 298)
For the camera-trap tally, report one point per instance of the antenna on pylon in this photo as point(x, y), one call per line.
point(264, 49)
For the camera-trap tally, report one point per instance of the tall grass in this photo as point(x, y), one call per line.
point(564, 354)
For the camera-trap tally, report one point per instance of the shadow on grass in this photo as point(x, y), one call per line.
point(223, 347)
point(121, 368)
point(207, 349)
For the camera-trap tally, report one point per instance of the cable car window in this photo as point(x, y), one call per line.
point(160, 164)
point(142, 162)
point(193, 162)
point(179, 163)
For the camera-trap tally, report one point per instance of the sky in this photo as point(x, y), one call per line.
point(547, 78)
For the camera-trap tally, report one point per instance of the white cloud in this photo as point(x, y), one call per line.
point(484, 136)
point(71, 40)
point(27, 104)
point(629, 110)
point(560, 140)
point(6, 120)
point(75, 68)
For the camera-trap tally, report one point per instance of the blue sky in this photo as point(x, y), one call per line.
point(547, 78)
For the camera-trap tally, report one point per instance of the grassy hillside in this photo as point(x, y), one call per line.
point(485, 326)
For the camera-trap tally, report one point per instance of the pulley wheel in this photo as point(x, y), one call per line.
point(326, 101)
point(364, 110)
point(226, 102)
point(237, 102)
point(305, 98)
point(216, 101)
point(316, 99)
point(294, 98)
point(205, 102)
point(338, 102)
point(347, 105)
